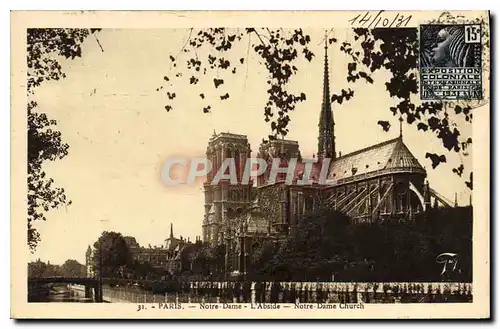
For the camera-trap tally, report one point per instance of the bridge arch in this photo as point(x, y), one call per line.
point(89, 283)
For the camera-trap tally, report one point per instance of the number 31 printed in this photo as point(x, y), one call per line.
point(472, 33)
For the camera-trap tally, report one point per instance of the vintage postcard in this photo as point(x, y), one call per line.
point(281, 165)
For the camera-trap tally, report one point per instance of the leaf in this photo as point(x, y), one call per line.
point(223, 97)
point(366, 77)
point(172, 58)
point(435, 159)
point(218, 82)
point(308, 54)
point(223, 63)
point(202, 96)
point(422, 126)
point(168, 108)
point(193, 80)
point(459, 170)
point(384, 124)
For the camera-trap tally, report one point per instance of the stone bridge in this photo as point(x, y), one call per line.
point(89, 283)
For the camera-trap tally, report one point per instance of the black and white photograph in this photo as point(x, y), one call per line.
point(222, 170)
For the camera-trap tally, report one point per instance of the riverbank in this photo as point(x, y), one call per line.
point(56, 293)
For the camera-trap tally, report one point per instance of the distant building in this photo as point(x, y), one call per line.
point(89, 262)
point(164, 258)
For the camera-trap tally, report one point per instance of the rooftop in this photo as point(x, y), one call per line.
point(216, 136)
point(390, 154)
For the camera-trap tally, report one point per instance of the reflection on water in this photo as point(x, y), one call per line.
point(51, 293)
point(68, 296)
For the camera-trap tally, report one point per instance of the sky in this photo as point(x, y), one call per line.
point(112, 117)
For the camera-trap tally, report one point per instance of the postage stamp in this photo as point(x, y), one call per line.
point(164, 166)
point(450, 62)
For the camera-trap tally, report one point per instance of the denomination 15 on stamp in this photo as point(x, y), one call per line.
point(450, 62)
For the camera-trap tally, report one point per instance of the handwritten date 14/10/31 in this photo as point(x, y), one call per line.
point(381, 19)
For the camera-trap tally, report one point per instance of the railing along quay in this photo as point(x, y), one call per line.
point(292, 292)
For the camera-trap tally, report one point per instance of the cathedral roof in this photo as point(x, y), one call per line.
point(389, 155)
point(383, 158)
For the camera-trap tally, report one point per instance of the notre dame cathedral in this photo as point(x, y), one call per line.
point(372, 184)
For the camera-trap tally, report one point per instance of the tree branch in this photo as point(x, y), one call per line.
point(184, 46)
point(259, 36)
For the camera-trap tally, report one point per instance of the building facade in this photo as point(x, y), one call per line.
point(372, 184)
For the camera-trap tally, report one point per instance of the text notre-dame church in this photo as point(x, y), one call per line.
point(372, 184)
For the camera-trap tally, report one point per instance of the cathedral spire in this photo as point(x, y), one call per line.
point(326, 137)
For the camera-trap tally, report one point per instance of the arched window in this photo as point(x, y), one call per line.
point(401, 197)
point(227, 155)
point(237, 163)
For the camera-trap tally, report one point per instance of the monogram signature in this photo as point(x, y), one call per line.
point(449, 261)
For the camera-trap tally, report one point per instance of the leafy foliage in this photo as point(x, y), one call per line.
point(318, 244)
point(44, 47)
point(70, 268)
point(44, 144)
point(326, 243)
point(262, 254)
point(277, 48)
point(141, 270)
point(113, 255)
point(202, 260)
point(39, 269)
